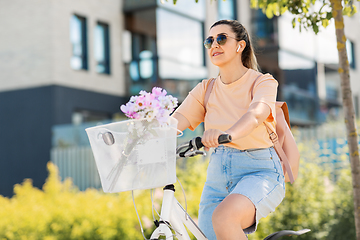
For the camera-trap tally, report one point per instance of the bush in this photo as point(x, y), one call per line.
point(313, 202)
point(343, 222)
point(60, 211)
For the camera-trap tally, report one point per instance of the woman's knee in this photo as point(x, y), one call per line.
point(234, 210)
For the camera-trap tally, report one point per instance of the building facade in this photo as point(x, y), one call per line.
point(73, 63)
point(54, 71)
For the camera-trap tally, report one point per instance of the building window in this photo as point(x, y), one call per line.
point(227, 9)
point(350, 47)
point(263, 29)
point(102, 48)
point(78, 38)
point(180, 48)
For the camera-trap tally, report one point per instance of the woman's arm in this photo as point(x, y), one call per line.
point(256, 115)
point(183, 123)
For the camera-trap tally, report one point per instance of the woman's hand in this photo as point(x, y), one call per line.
point(210, 138)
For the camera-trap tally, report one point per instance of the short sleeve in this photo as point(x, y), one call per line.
point(192, 107)
point(265, 91)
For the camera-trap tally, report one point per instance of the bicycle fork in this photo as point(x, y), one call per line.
point(173, 216)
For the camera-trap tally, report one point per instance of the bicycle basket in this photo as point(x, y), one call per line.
point(134, 154)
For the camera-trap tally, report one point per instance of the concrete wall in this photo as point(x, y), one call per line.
point(25, 45)
point(108, 11)
point(35, 47)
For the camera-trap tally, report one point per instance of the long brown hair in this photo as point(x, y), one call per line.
point(248, 57)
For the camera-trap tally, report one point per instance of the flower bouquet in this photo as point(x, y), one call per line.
point(153, 109)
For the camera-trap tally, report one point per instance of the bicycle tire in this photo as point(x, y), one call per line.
point(282, 233)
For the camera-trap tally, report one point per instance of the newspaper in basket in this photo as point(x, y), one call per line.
point(134, 154)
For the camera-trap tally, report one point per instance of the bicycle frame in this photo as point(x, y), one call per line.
point(174, 218)
point(173, 214)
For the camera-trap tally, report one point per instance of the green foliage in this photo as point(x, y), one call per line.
point(343, 222)
point(311, 14)
point(60, 211)
point(313, 202)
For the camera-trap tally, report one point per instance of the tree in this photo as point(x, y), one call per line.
point(312, 14)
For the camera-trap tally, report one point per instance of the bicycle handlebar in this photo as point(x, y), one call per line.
point(223, 138)
point(192, 147)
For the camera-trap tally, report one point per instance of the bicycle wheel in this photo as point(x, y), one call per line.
point(282, 233)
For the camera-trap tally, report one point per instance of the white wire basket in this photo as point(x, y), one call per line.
point(134, 154)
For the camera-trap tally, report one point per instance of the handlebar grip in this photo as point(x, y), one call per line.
point(198, 143)
point(223, 138)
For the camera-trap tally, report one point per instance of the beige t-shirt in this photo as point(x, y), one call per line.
point(228, 103)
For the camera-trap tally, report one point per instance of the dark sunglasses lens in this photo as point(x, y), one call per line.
point(221, 39)
point(208, 42)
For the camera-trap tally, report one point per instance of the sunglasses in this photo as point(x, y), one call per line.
point(220, 39)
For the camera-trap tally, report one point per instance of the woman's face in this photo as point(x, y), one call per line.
point(223, 54)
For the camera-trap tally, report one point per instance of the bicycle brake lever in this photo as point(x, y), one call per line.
point(182, 148)
point(194, 153)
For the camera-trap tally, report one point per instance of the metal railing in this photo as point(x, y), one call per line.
point(327, 141)
point(78, 164)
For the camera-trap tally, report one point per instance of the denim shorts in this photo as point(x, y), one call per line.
point(256, 174)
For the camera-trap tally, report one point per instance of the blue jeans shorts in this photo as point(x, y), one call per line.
point(256, 174)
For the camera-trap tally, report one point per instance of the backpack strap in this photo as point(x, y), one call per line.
point(208, 91)
point(274, 137)
point(279, 150)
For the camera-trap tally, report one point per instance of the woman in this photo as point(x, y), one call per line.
point(245, 180)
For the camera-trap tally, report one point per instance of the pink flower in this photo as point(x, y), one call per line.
point(154, 105)
point(158, 91)
point(140, 102)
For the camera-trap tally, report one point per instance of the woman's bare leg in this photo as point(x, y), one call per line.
point(235, 213)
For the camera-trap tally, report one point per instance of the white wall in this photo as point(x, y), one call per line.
point(108, 11)
point(25, 46)
point(35, 48)
point(352, 32)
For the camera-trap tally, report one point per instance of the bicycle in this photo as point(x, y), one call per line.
point(174, 218)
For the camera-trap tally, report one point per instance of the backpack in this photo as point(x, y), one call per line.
point(283, 140)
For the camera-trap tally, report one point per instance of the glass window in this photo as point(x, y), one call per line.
point(102, 48)
point(288, 60)
point(351, 53)
point(142, 68)
point(299, 88)
point(78, 39)
point(180, 46)
point(263, 29)
point(227, 9)
point(188, 8)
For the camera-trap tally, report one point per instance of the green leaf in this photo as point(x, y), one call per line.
point(315, 28)
point(293, 22)
point(174, 1)
point(329, 15)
